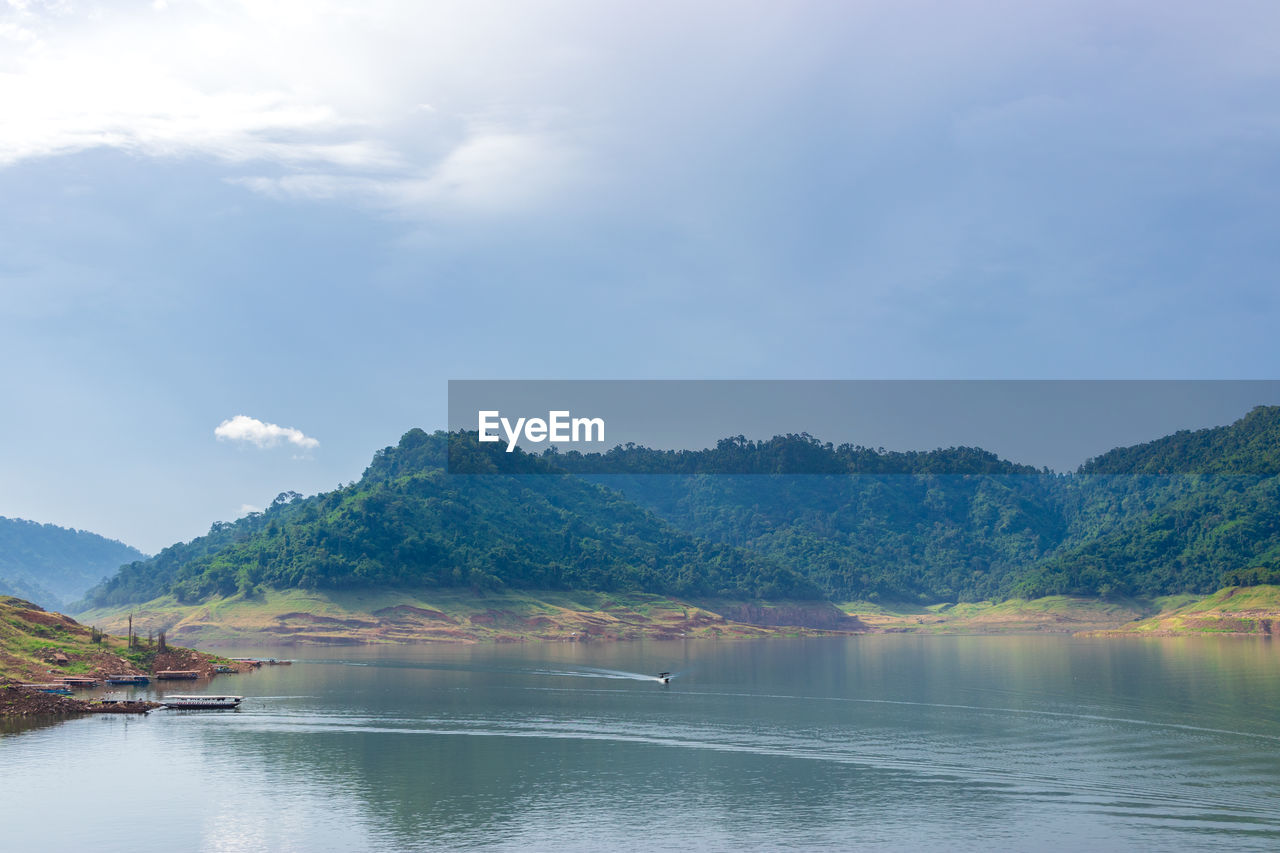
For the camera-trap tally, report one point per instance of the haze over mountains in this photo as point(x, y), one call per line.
point(53, 566)
point(1189, 512)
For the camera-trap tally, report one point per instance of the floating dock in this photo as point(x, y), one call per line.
point(127, 679)
point(177, 675)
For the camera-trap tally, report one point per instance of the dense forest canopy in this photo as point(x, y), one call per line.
point(1187, 513)
point(408, 523)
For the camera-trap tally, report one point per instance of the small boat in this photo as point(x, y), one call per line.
point(47, 687)
point(664, 678)
point(79, 681)
point(223, 669)
point(127, 679)
point(194, 700)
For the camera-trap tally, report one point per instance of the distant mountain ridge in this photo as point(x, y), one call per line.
point(1189, 512)
point(52, 565)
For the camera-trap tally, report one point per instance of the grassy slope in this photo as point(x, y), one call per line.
point(295, 616)
point(1053, 614)
point(30, 637)
point(1235, 610)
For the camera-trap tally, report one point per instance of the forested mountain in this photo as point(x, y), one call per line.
point(1187, 513)
point(408, 523)
point(53, 565)
point(1248, 447)
point(1193, 511)
point(939, 524)
point(1190, 512)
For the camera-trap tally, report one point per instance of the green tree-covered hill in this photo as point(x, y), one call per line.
point(932, 525)
point(408, 523)
point(53, 565)
point(1189, 512)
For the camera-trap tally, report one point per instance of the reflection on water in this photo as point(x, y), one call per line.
point(868, 742)
point(17, 725)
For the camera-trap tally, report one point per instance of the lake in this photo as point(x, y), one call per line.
point(867, 742)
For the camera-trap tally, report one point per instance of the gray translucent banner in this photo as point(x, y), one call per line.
point(1052, 423)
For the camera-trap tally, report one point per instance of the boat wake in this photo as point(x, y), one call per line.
point(1072, 775)
point(596, 672)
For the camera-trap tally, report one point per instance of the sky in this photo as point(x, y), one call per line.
point(243, 245)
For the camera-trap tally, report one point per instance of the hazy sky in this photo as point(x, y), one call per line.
point(313, 214)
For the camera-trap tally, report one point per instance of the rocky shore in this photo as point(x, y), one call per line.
point(16, 701)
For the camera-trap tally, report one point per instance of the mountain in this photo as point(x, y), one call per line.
point(859, 523)
point(1250, 447)
point(1191, 512)
point(787, 517)
point(407, 523)
point(51, 565)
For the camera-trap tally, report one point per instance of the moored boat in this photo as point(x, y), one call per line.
point(56, 689)
point(200, 700)
point(127, 679)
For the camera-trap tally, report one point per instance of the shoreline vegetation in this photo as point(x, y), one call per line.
point(296, 617)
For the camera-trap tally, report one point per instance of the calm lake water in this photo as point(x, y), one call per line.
point(875, 742)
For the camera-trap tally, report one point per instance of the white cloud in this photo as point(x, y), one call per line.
point(243, 428)
point(490, 173)
point(245, 509)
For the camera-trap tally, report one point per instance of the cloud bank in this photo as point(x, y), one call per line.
point(243, 428)
point(316, 100)
point(447, 110)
